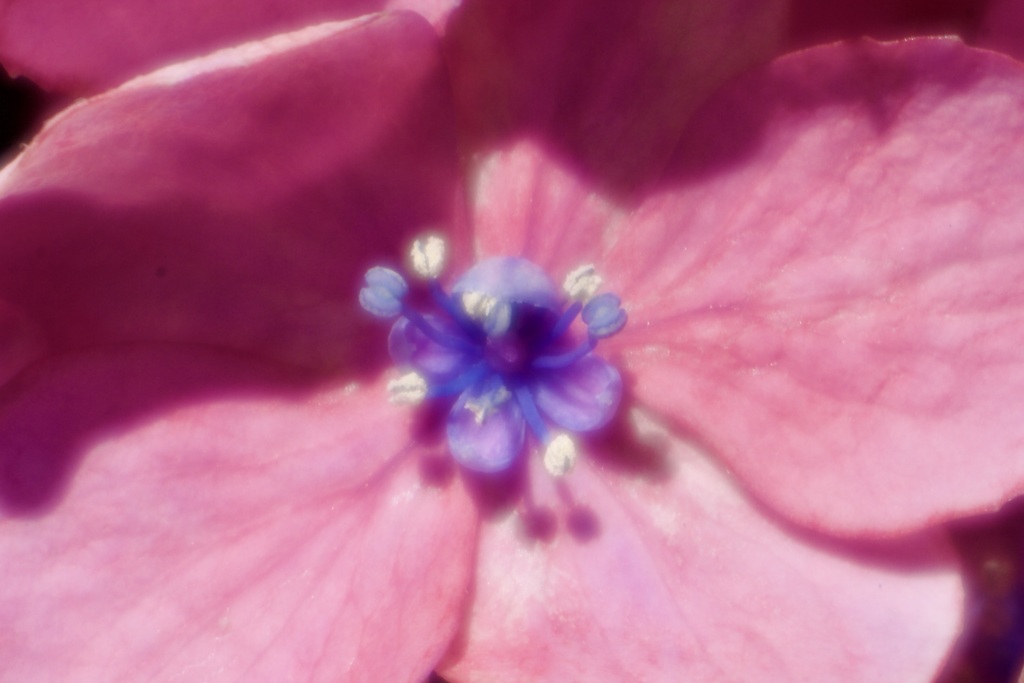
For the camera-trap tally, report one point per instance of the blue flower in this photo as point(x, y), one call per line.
point(501, 346)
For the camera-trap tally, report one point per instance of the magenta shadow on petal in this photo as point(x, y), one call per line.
point(56, 409)
point(93, 275)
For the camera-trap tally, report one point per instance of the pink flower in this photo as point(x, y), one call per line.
point(203, 477)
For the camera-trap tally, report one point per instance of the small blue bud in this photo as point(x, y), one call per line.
point(382, 296)
point(604, 316)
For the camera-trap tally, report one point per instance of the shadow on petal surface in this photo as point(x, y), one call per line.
point(235, 200)
point(607, 85)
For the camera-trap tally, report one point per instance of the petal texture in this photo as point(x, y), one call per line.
point(235, 200)
point(241, 536)
point(81, 49)
point(833, 296)
point(606, 83)
point(681, 578)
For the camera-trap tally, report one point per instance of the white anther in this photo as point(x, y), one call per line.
point(478, 305)
point(428, 256)
point(409, 389)
point(483, 406)
point(582, 283)
point(560, 455)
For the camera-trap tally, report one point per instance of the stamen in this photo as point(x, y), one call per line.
point(531, 414)
point(428, 256)
point(565, 359)
point(563, 323)
point(495, 315)
point(477, 305)
point(582, 283)
point(409, 389)
point(483, 406)
point(382, 296)
point(604, 315)
point(435, 334)
point(460, 383)
point(560, 455)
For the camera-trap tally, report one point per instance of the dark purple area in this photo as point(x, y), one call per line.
point(992, 649)
point(22, 109)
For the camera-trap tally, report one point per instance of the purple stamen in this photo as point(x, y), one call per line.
point(531, 414)
point(449, 305)
point(563, 323)
point(460, 383)
point(435, 334)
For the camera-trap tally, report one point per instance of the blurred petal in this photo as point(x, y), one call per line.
point(1003, 28)
point(833, 297)
point(83, 48)
point(237, 536)
point(681, 578)
point(609, 84)
point(238, 199)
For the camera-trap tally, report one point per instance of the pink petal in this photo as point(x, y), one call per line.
point(84, 48)
point(236, 536)
point(832, 297)
point(607, 83)
point(1003, 27)
point(678, 577)
point(527, 203)
point(235, 200)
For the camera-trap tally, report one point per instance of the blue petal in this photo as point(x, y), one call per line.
point(409, 347)
point(512, 279)
point(493, 444)
point(581, 397)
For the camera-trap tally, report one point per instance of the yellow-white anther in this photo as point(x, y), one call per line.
point(409, 389)
point(582, 283)
point(478, 305)
point(483, 406)
point(428, 256)
point(560, 455)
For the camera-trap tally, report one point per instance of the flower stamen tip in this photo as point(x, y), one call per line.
point(410, 389)
point(582, 283)
point(428, 256)
point(560, 455)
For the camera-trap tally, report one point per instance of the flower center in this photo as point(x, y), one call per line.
point(499, 345)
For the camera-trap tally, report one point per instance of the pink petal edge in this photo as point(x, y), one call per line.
point(80, 49)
